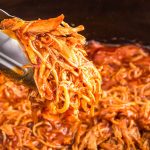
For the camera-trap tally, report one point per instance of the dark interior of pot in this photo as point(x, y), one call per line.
point(125, 21)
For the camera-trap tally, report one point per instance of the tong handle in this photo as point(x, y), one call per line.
point(4, 15)
point(13, 59)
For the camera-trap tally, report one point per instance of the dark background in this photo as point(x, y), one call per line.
point(104, 20)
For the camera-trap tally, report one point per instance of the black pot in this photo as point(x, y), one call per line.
point(112, 21)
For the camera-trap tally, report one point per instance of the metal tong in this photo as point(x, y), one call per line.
point(13, 58)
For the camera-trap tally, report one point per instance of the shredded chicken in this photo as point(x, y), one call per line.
point(82, 116)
